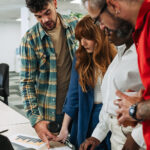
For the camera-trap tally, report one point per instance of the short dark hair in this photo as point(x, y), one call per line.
point(37, 5)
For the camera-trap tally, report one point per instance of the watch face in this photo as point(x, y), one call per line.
point(132, 110)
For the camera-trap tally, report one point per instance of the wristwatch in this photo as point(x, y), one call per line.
point(132, 112)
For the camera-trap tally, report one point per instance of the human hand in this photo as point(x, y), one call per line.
point(62, 135)
point(91, 142)
point(130, 144)
point(124, 104)
point(127, 123)
point(41, 129)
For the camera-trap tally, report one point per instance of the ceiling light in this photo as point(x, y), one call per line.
point(18, 19)
point(76, 2)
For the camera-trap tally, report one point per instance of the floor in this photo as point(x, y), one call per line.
point(14, 99)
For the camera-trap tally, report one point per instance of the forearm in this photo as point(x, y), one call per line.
point(143, 110)
point(63, 135)
point(66, 122)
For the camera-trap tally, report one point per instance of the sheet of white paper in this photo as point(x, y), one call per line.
point(27, 141)
point(36, 143)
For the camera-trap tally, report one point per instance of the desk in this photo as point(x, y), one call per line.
point(9, 116)
point(16, 123)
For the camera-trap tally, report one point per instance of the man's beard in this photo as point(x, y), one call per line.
point(124, 29)
point(50, 25)
point(123, 32)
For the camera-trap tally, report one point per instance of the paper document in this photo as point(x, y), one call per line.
point(35, 143)
point(27, 141)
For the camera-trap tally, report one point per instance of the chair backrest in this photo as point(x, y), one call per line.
point(5, 143)
point(4, 78)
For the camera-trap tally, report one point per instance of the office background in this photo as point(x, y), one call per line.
point(15, 19)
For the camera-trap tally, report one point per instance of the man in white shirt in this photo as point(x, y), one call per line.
point(122, 74)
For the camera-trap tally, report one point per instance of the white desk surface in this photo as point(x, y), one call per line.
point(8, 116)
point(18, 124)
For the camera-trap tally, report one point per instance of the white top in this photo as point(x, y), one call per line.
point(122, 74)
point(97, 91)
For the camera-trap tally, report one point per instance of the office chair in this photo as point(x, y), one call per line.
point(4, 82)
point(5, 144)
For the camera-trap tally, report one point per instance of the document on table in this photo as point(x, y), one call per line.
point(35, 143)
point(27, 141)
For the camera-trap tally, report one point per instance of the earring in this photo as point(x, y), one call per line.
point(117, 12)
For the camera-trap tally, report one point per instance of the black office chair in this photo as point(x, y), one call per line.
point(5, 143)
point(4, 82)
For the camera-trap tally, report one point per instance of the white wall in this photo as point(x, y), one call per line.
point(9, 41)
point(12, 31)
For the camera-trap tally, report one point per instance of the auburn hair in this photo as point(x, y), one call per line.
point(91, 65)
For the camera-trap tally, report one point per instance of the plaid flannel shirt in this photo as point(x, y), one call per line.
point(38, 80)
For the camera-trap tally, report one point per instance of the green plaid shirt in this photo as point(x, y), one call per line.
point(38, 80)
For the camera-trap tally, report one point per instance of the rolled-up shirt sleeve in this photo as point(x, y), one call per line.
point(137, 135)
point(102, 127)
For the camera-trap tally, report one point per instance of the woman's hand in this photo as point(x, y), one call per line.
point(62, 135)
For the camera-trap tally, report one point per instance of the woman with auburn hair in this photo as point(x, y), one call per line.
point(83, 102)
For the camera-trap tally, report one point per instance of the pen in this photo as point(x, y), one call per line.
point(4, 131)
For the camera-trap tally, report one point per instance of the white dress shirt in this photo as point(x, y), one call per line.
point(122, 74)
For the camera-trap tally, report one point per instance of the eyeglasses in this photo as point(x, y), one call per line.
point(96, 20)
point(108, 31)
point(118, 33)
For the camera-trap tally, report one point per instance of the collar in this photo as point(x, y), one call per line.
point(63, 21)
point(145, 8)
point(42, 32)
point(122, 49)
